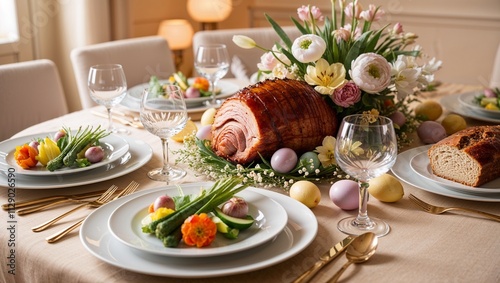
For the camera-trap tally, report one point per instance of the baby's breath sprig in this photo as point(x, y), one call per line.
point(199, 156)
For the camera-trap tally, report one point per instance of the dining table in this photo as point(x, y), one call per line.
point(420, 247)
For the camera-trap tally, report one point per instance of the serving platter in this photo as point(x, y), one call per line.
point(139, 154)
point(300, 231)
point(421, 165)
point(452, 103)
point(125, 225)
point(114, 148)
point(226, 89)
point(467, 100)
point(403, 171)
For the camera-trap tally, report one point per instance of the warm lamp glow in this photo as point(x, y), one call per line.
point(179, 35)
point(209, 11)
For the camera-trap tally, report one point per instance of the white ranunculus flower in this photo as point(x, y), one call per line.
point(371, 72)
point(308, 48)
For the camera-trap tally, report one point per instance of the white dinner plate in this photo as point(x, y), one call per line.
point(451, 103)
point(403, 171)
point(227, 89)
point(139, 154)
point(114, 147)
point(299, 232)
point(467, 99)
point(125, 224)
point(135, 106)
point(421, 165)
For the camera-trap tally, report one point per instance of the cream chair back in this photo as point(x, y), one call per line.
point(244, 61)
point(140, 57)
point(495, 75)
point(30, 92)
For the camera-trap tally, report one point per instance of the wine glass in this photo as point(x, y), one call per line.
point(366, 147)
point(164, 116)
point(212, 62)
point(108, 86)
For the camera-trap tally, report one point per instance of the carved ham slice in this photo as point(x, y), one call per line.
point(270, 115)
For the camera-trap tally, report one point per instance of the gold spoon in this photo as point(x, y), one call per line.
point(360, 250)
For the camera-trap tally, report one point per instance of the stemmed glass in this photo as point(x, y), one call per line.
point(366, 147)
point(164, 116)
point(212, 62)
point(108, 86)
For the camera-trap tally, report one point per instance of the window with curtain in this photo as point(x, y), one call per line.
point(8, 21)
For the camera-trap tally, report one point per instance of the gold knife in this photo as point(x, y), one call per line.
point(332, 253)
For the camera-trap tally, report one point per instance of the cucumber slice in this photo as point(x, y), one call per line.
point(233, 222)
point(221, 226)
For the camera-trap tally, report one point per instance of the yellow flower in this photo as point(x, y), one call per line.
point(325, 77)
point(326, 152)
point(370, 116)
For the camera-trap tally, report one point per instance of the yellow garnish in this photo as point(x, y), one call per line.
point(160, 213)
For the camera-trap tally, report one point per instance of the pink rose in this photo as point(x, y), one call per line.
point(267, 62)
point(347, 96)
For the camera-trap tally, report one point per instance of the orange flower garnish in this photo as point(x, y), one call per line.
point(25, 156)
point(198, 230)
point(201, 83)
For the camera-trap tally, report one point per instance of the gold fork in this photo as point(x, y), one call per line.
point(106, 196)
point(438, 209)
point(56, 237)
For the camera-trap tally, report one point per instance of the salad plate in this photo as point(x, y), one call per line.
point(114, 148)
point(125, 225)
point(421, 165)
point(139, 153)
point(226, 89)
point(402, 169)
point(452, 103)
point(468, 100)
point(300, 231)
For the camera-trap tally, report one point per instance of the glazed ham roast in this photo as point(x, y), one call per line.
point(270, 115)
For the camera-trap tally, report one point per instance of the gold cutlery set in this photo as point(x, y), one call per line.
point(35, 205)
point(359, 249)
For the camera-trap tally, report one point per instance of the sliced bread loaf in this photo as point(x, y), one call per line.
point(470, 157)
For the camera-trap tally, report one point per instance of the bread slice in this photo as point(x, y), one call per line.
point(470, 157)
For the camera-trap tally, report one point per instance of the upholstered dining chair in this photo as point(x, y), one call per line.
point(244, 61)
point(30, 92)
point(495, 74)
point(140, 57)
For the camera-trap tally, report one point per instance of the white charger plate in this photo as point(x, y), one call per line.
point(125, 225)
point(299, 232)
point(114, 147)
point(451, 103)
point(139, 154)
point(467, 99)
point(227, 89)
point(403, 171)
point(421, 165)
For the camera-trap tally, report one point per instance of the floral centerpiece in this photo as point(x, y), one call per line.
point(357, 68)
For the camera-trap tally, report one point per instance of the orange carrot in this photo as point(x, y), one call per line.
point(198, 230)
point(25, 156)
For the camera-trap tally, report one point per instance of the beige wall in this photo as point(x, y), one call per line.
point(464, 34)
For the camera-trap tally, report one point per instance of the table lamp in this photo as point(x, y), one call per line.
point(179, 35)
point(209, 12)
